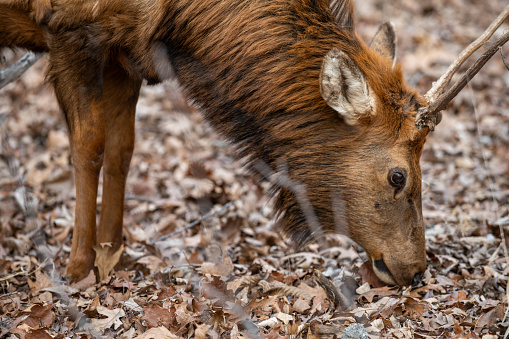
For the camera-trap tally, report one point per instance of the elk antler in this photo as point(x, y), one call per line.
point(431, 115)
point(15, 71)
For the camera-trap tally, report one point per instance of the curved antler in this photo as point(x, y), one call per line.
point(15, 71)
point(430, 115)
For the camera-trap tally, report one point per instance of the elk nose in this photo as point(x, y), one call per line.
point(417, 279)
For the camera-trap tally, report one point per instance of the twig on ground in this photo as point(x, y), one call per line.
point(139, 198)
point(8, 294)
point(24, 273)
point(196, 222)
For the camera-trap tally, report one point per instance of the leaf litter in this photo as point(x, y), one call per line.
point(229, 275)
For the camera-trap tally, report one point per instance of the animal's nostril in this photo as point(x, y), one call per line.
point(417, 279)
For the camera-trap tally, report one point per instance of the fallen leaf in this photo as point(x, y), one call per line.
point(158, 333)
point(39, 316)
point(105, 261)
point(156, 316)
point(491, 317)
point(384, 291)
point(112, 319)
point(223, 268)
point(201, 331)
point(369, 276)
point(85, 283)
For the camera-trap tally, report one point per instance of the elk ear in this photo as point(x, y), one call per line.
point(344, 87)
point(342, 11)
point(384, 41)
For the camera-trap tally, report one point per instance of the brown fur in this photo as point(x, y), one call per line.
point(253, 66)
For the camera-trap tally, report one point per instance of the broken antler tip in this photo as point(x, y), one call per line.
point(425, 118)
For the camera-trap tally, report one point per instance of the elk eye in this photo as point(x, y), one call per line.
point(397, 178)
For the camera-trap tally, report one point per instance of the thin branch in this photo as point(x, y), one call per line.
point(9, 294)
point(24, 273)
point(15, 71)
point(503, 59)
point(139, 198)
point(440, 85)
point(197, 221)
point(282, 179)
point(429, 116)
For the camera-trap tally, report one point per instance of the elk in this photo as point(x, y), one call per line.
point(286, 81)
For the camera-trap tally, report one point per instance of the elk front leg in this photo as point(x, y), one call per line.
point(120, 94)
point(86, 136)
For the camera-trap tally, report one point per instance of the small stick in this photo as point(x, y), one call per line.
point(139, 198)
point(197, 221)
point(23, 273)
point(8, 294)
point(15, 71)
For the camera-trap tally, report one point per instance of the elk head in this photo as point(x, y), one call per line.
point(381, 184)
point(386, 123)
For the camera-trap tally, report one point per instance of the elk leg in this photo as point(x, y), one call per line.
point(86, 136)
point(120, 94)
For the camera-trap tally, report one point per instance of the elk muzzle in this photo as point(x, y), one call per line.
point(403, 265)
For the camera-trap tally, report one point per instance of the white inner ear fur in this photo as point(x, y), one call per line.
point(344, 87)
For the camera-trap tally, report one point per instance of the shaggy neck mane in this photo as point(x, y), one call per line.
point(254, 63)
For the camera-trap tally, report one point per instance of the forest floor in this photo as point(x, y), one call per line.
point(231, 275)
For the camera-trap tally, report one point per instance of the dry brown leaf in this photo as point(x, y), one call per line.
point(414, 308)
point(153, 263)
point(490, 318)
point(158, 333)
point(85, 283)
point(105, 261)
point(379, 291)
point(183, 316)
point(301, 306)
point(289, 291)
point(223, 268)
point(201, 331)
point(27, 333)
point(369, 276)
point(39, 316)
point(112, 319)
point(157, 316)
point(41, 281)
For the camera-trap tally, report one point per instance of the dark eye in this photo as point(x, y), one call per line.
point(397, 178)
